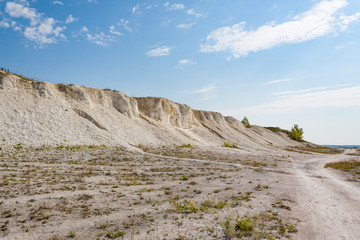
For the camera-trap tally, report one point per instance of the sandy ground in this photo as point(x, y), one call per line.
point(98, 192)
point(327, 202)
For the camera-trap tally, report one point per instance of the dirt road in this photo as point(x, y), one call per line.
point(327, 202)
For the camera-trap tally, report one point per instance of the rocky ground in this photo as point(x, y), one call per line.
point(175, 192)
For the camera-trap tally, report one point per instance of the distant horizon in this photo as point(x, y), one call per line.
point(278, 63)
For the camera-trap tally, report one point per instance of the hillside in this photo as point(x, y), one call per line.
point(36, 113)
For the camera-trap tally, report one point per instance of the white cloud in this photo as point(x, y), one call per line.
point(207, 93)
point(334, 98)
point(42, 30)
point(185, 62)
point(276, 81)
point(70, 19)
point(136, 8)
point(344, 21)
point(84, 29)
point(192, 12)
point(185, 26)
point(205, 89)
point(160, 51)
point(19, 10)
point(318, 21)
point(92, 1)
point(113, 31)
point(4, 24)
point(342, 46)
point(309, 90)
point(124, 24)
point(58, 2)
point(100, 39)
point(174, 6)
point(45, 33)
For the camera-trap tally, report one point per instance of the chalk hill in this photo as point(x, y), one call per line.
point(33, 112)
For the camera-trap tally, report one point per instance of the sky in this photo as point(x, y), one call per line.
point(277, 62)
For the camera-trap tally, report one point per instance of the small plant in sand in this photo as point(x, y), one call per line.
point(230, 145)
point(115, 234)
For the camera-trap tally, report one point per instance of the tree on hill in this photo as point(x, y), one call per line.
point(297, 133)
point(246, 122)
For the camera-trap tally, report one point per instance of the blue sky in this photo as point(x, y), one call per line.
point(277, 62)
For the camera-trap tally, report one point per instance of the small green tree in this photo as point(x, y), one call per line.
point(246, 123)
point(297, 133)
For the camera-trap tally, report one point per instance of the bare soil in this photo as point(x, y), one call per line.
point(174, 192)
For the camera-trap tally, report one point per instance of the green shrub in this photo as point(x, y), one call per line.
point(246, 122)
point(297, 133)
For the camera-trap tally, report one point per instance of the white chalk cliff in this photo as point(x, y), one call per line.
point(37, 113)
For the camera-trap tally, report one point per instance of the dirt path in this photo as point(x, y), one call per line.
point(327, 202)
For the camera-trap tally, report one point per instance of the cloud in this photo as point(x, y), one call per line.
point(276, 81)
point(21, 11)
point(185, 62)
point(92, 1)
point(41, 30)
point(319, 21)
point(309, 90)
point(4, 24)
point(174, 6)
point(58, 2)
point(84, 29)
point(136, 8)
point(205, 89)
point(342, 46)
point(45, 33)
point(345, 21)
point(185, 26)
point(100, 39)
point(112, 30)
point(160, 51)
point(124, 24)
point(208, 92)
point(192, 12)
point(70, 19)
point(301, 100)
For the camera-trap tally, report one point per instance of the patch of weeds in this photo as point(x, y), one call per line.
point(184, 178)
point(188, 146)
point(185, 207)
point(71, 235)
point(85, 197)
point(212, 203)
point(281, 205)
point(260, 226)
point(347, 166)
point(115, 234)
point(229, 145)
point(104, 226)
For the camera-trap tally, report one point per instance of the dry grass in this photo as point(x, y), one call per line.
point(347, 166)
point(317, 149)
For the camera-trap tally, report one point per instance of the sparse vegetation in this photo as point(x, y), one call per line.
point(261, 226)
point(100, 181)
point(347, 166)
point(277, 129)
point(230, 145)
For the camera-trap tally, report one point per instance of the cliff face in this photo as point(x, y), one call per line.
point(39, 113)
